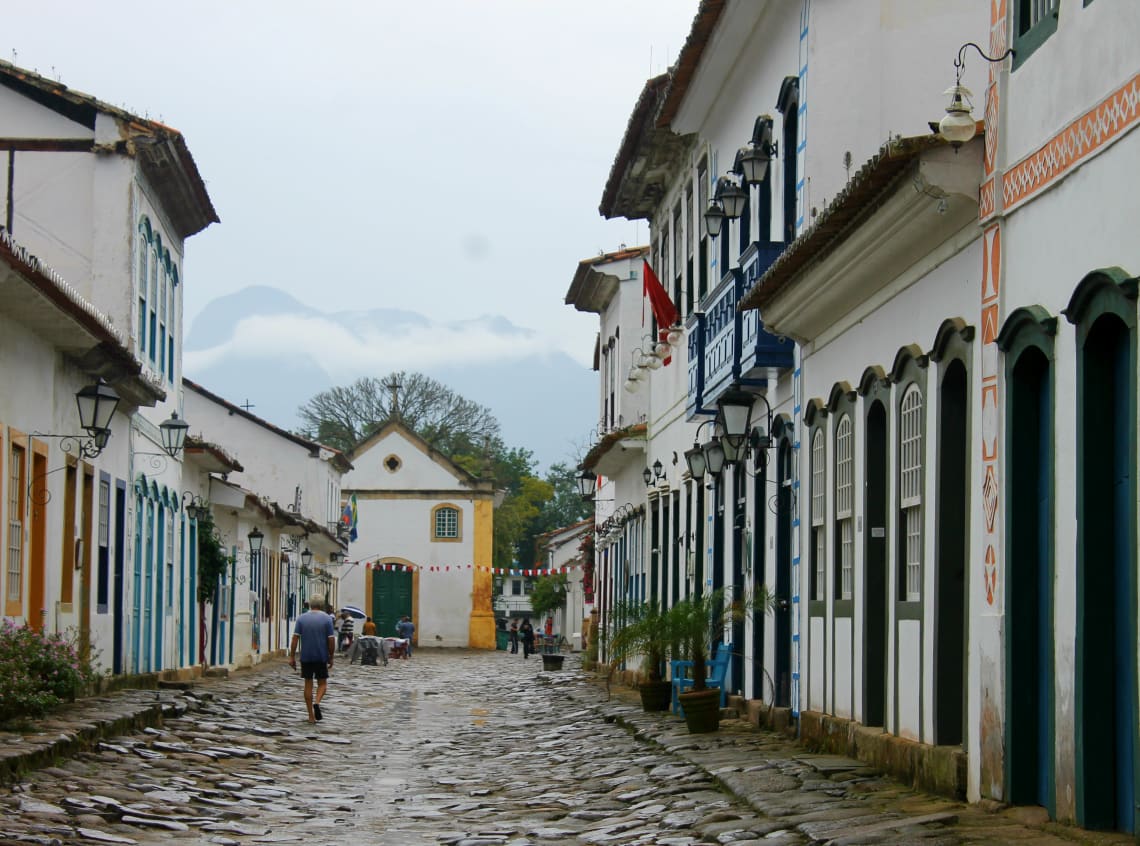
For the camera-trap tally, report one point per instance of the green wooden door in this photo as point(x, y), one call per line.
point(391, 599)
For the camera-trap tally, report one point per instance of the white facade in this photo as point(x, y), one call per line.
point(948, 511)
point(422, 516)
point(92, 195)
point(562, 552)
point(287, 488)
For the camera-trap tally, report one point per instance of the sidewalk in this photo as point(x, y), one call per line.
point(828, 798)
point(81, 725)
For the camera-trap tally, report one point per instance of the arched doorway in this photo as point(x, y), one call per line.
point(952, 539)
point(1027, 340)
point(1107, 594)
point(784, 587)
point(875, 563)
point(1103, 308)
point(392, 589)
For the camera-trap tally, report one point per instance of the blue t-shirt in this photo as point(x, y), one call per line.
point(405, 629)
point(315, 629)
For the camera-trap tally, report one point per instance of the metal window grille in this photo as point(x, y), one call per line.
point(846, 559)
point(15, 523)
point(1039, 10)
point(818, 479)
point(447, 523)
point(844, 464)
point(845, 502)
point(818, 511)
point(170, 562)
point(913, 552)
point(104, 513)
point(152, 300)
point(910, 447)
point(910, 468)
point(141, 282)
point(820, 569)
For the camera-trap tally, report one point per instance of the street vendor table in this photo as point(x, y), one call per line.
point(356, 650)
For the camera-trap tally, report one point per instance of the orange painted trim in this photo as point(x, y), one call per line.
point(1085, 137)
point(17, 440)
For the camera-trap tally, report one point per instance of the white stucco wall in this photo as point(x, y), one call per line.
point(395, 525)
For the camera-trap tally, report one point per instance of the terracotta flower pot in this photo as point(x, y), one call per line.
point(702, 710)
point(656, 696)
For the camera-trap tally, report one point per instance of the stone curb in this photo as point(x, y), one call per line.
point(76, 730)
point(82, 725)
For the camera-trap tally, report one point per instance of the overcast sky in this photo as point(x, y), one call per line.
point(440, 156)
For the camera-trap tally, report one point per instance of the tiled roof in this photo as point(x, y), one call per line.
point(46, 302)
point(861, 196)
point(637, 430)
point(313, 447)
point(708, 14)
point(160, 149)
point(634, 186)
point(586, 289)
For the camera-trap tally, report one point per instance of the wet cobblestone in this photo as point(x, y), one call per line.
point(463, 749)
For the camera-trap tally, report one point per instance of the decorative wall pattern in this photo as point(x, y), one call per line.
point(1083, 138)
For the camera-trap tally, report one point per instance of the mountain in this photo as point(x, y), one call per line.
point(261, 346)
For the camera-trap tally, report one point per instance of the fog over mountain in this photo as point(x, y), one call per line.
point(262, 346)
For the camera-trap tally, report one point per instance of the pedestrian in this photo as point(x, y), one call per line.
point(369, 628)
point(313, 634)
point(514, 633)
point(526, 632)
point(346, 627)
point(406, 629)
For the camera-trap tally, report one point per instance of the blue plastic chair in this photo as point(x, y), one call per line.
point(716, 670)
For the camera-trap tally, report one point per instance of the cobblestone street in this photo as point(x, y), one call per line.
point(470, 748)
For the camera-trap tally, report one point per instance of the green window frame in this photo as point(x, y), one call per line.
point(1033, 22)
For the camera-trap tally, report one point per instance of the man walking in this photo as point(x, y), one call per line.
point(526, 634)
point(406, 629)
point(314, 634)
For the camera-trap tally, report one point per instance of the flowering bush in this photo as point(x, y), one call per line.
point(38, 671)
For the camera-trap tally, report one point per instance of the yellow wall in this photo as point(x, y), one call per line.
point(481, 632)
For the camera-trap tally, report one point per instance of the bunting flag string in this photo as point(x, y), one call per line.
point(447, 568)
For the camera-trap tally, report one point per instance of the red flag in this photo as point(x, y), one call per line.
point(663, 308)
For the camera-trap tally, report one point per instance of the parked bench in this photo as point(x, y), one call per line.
point(716, 669)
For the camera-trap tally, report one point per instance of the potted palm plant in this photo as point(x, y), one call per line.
point(695, 623)
point(644, 630)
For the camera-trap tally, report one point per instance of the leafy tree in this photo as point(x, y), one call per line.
point(212, 565)
point(515, 517)
point(212, 559)
point(464, 431)
point(342, 416)
point(549, 595)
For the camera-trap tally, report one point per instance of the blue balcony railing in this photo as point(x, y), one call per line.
point(695, 331)
point(760, 351)
point(727, 347)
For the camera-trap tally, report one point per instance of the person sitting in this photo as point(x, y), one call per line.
point(369, 629)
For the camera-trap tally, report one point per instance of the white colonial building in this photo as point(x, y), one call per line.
point(424, 541)
point(281, 487)
point(938, 480)
point(97, 205)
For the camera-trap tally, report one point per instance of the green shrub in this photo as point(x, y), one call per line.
point(38, 671)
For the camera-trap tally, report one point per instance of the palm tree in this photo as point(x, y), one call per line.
point(696, 621)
